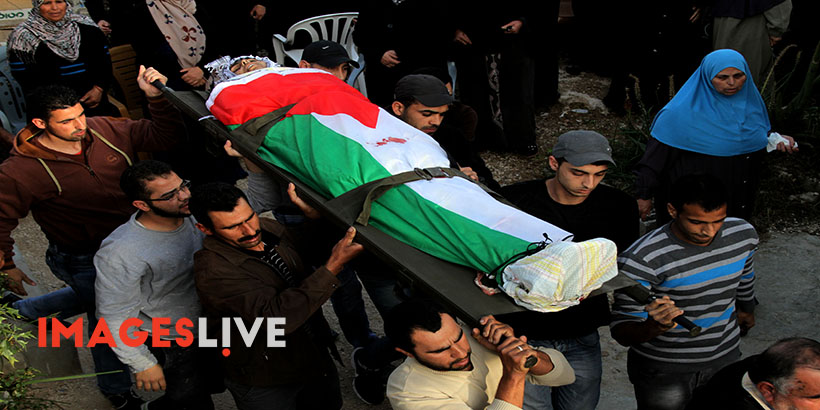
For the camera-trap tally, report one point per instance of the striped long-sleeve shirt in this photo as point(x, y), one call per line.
point(707, 282)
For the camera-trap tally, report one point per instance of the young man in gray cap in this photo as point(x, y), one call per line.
point(328, 56)
point(574, 200)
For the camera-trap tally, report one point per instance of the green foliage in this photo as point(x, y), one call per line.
point(629, 149)
point(15, 392)
point(14, 383)
point(12, 339)
point(792, 97)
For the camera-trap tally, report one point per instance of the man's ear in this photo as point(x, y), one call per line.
point(39, 123)
point(767, 390)
point(304, 64)
point(672, 211)
point(204, 229)
point(553, 163)
point(398, 108)
point(404, 352)
point(141, 205)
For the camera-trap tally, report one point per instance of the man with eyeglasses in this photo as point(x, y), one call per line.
point(144, 271)
point(65, 168)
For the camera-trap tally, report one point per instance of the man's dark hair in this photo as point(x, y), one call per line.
point(406, 101)
point(133, 180)
point(213, 197)
point(45, 99)
point(408, 316)
point(701, 189)
point(778, 363)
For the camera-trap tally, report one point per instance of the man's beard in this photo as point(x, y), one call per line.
point(70, 138)
point(467, 367)
point(166, 214)
point(781, 405)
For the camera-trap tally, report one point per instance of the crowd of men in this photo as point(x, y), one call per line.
point(133, 239)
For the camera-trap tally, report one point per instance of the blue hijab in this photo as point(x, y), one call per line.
point(700, 119)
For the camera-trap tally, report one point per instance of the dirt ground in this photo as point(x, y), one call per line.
point(788, 288)
point(787, 284)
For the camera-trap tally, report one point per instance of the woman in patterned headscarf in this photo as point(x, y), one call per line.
point(56, 46)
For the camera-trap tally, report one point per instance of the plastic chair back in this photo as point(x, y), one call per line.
point(336, 27)
point(12, 99)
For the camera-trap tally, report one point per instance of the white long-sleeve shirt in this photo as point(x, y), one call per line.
point(414, 386)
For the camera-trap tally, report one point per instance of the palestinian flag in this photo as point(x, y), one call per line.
point(334, 140)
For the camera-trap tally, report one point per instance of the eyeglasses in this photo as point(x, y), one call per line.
point(184, 186)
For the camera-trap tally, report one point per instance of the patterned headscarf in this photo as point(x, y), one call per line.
point(175, 19)
point(61, 37)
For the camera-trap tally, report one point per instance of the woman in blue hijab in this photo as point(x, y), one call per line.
point(716, 124)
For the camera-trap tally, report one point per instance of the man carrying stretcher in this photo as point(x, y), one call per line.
point(333, 139)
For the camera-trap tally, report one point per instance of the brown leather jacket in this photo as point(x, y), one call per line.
point(232, 283)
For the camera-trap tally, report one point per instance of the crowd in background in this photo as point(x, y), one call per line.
point(503, 63)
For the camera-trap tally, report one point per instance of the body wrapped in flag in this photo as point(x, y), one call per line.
point(334, 140)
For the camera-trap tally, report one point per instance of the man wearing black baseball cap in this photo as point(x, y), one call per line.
point(575, 200)
point(421, 101)
point(328, 56)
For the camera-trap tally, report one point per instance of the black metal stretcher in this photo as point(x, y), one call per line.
point(449, 283)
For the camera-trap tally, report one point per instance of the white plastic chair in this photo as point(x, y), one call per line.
point(12, 102)
point(336, 27)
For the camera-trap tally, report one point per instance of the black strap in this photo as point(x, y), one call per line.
point(251, 133)
point(355, 205)
point(532, 248)
point(358, 201)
